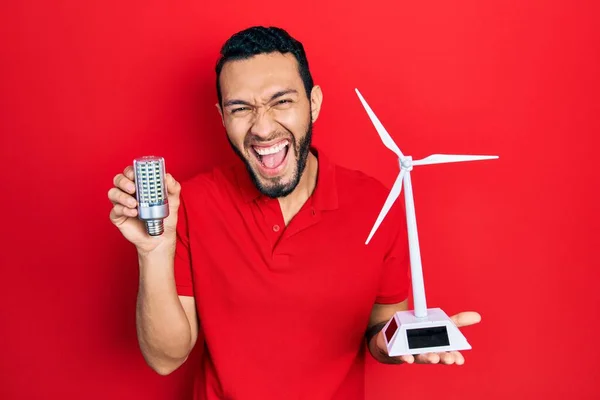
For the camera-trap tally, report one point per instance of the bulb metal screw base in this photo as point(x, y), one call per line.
point(155, 227)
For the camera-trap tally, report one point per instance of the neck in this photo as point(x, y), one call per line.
point(293, 202)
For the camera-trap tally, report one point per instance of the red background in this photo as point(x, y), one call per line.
point(87, 86)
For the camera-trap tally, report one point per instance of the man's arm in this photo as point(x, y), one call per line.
point(167, 326)
point(166, 323)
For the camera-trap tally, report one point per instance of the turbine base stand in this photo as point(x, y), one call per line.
point(406, 334)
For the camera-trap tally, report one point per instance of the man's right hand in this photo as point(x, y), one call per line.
point(124, 214)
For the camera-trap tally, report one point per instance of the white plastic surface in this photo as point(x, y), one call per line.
point(416, 269)
point(385, 136)
point(450, 158)
point(392, 197)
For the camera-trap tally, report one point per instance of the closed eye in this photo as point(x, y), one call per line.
point(283, 102)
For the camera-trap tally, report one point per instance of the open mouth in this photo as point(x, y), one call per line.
point(271, 157)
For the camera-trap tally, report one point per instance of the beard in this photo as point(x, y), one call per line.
point(275, 187)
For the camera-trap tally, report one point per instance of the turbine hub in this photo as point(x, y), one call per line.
point(406, 163)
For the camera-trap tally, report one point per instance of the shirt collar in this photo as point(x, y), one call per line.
point(324, 196)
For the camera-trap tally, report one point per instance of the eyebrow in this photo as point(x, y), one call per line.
point(276, 95)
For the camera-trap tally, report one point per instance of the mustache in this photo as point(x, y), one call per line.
point(250, 139)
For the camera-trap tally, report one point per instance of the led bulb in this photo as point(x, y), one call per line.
point(151, 192)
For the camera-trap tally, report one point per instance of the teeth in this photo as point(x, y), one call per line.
point(263, 151)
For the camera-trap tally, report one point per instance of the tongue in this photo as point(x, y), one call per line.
point(274, 160)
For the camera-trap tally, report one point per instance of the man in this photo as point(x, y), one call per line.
point(266, 258)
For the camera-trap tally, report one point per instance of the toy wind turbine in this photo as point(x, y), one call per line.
point(424, 330)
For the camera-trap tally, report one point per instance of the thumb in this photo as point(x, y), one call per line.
point(173, 191)
point(466, 318)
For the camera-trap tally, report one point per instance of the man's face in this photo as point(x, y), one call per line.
point(268, 119)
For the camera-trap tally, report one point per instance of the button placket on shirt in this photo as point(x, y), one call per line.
point(279, 234)
point(305, 219)
point(274, 229)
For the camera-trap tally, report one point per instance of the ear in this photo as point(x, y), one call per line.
point(316, 99)
point(220, 113)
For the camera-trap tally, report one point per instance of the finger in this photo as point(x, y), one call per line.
point(130, 212)
point(428, 358)
point(116, 214)
point(117, 196)
point(466, 318)
point(458, 358)
point(173, 187)
point(422, 359)
point(124, 183)
point(128, 172)
point(434, 358)
point(408, 359)
point(447, 358)
point(120, 213)
point(405, 359)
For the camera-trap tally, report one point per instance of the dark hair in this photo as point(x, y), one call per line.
point(262, 40)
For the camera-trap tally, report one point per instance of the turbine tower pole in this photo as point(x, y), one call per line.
point(416, 269)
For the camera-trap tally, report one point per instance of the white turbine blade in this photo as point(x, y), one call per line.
point(385, 136)
point(449, 158)
point(394, 193)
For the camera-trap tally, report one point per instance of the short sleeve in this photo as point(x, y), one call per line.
point(395, 279)
point(183, 264)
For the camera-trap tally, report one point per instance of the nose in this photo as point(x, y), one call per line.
point(263, 125)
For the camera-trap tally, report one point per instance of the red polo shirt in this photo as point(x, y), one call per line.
point(283, 310)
